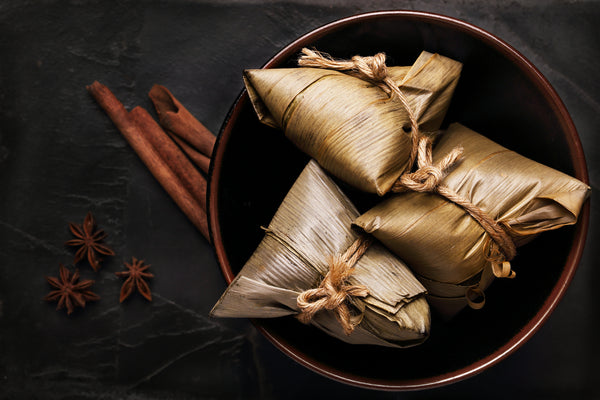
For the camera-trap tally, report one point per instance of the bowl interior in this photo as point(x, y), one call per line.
point(499, 95)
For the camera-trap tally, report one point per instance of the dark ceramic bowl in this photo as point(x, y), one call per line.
point(501, 95)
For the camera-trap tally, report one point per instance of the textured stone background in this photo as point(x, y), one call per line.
point(60, 157)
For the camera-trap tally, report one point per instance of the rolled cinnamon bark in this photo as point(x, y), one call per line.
point(193, 181)
point(199, 159)
point(174, 117)
point(160, 169)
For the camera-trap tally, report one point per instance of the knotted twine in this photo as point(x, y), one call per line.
point(371, 69)
point(334, 293)
point(429, 176)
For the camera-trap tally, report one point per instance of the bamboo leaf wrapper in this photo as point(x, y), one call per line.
point(351, 126)
point(312, 224)
point(446, 247)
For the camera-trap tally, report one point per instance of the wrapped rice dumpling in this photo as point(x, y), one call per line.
point(446, 247)
point(351, 126)
point(387, 304)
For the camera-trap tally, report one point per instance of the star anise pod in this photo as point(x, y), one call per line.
point(135, 274)
point(69, 292)
point(88, 239)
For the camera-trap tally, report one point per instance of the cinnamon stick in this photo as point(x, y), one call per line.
point(149, 156)
point(197, 158)
point(193, 181)
point(174, 117)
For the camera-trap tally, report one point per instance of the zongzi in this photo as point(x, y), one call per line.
point(454, 251)
point(382, 303)
point(353, 126)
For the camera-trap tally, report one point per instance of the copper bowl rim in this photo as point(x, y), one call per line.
point(574, 256)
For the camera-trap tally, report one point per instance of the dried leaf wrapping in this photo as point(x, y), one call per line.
point(312, 224)
point(351, 126)
point(443, 244)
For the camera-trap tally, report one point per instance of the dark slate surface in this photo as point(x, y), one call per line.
point(60, 157)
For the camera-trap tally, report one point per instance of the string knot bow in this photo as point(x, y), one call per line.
point(335, 293)
point(370, 68)
point(429, 176)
